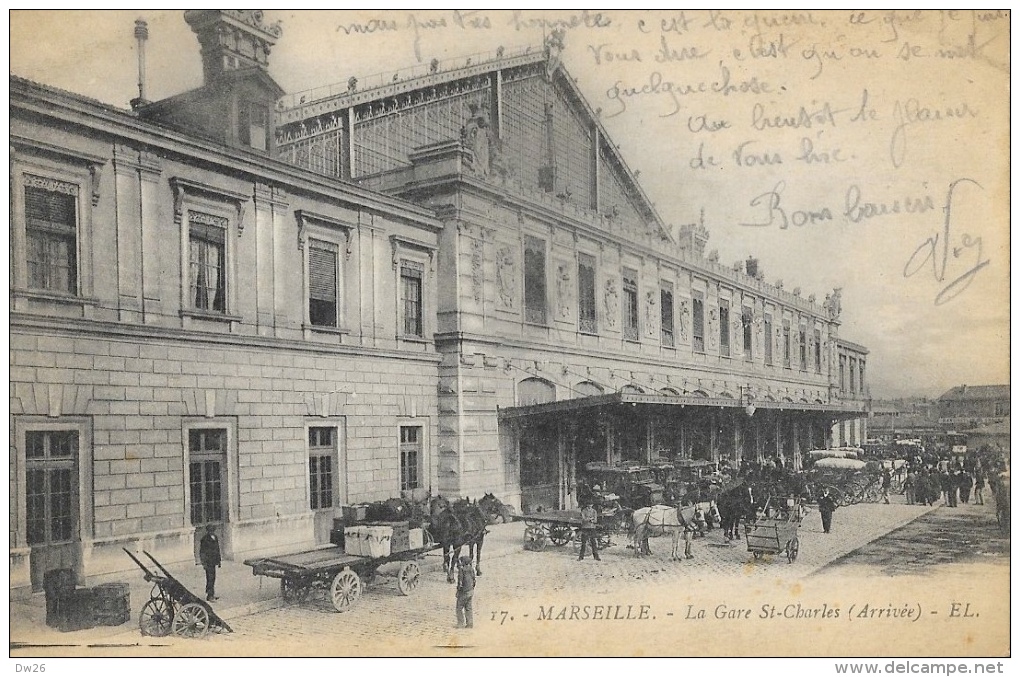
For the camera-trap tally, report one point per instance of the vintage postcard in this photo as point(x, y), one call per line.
point(511, 333)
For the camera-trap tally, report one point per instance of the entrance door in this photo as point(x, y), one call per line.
point(207, 474)
point(540, 467)
point(323, 479)
point(51, 497)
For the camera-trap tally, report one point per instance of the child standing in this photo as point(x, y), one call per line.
point(465, 593)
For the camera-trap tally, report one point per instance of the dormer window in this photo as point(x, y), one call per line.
point(253, 126)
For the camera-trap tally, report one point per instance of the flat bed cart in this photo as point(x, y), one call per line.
point(172, 608)
point(559, 527)
point(342, 576)
point(774, 536)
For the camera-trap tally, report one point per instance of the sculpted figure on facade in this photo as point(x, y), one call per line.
point(651, 321)
point(563, 295)
point(685, 318)
point(611, 302)
point(476, 136)
point(506, 276)
point(834, 303)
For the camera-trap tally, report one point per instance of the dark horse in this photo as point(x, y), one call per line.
point(735, 504)
point(456, 525)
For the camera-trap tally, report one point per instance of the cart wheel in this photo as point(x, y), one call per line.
point(535, 539)
point(792, 548)
point(156, 618)
point(409, 578)
point(345, 590)
point(191, 620)
point(560, 535)
point(294, 591)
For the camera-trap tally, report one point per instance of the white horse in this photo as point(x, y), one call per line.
point(658, 520)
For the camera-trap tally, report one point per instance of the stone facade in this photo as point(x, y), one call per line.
point(115, 366)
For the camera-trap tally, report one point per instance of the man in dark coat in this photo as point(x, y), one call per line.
point(209, 556)
point(826, 506)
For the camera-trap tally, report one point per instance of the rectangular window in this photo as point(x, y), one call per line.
point(853, 376)
point(51, 219)
point(322, 284)
point(818, 351)
point(587, 322)
point(51, 499)
point(253, 125)
point(534, 280)
point(860, 374)
point(802, 347)
point(842, 373)
point(666, 313)
point(746, 323)
point(698, 322)
point(208, 459)
point(207, 242)
point(724, 327)
point(410, 457)
point(411, 274)
point(768, 340)
point(321, 467)
point(786, 343)
point(630, 305)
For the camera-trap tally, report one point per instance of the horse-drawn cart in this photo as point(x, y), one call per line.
point(342, 576)
point(772, 536)
point(172, 608)
point(559, 527)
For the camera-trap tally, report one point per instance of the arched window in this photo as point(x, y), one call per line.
point(535, 391)
point(699, 393)
point(669, 392)
point(631, 390)
point(587, 389)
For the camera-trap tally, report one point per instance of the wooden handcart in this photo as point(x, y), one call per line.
point(341, 576)
point(172, 608)
point(775, 535)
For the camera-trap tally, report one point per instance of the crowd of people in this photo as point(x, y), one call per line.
point(947, 481)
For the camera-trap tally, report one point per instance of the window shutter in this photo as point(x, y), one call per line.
point(322, 274)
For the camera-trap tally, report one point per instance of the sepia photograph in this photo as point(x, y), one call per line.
point(511, 333)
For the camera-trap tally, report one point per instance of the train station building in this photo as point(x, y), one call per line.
point(246, 308)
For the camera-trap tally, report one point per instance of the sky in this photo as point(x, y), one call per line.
point(864, 150)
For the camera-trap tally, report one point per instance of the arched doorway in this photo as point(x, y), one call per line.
point(540, 449)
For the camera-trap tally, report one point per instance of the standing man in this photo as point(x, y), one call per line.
point(589, 520)
point(209, 556)
point(465, 593)
point(826, 506)
point(886, 484)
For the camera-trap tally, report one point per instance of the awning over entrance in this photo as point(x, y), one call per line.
point(580, 404)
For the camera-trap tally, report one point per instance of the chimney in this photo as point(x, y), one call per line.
point(751, 266)
point(141, 35)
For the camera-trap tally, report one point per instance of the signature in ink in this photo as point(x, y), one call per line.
point(955, 262)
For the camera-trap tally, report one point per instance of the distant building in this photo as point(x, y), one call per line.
point(971, 405)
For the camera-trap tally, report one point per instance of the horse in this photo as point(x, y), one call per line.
point(456, 525)
point(657, 520)
point(733, 505)
point(495, 510)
